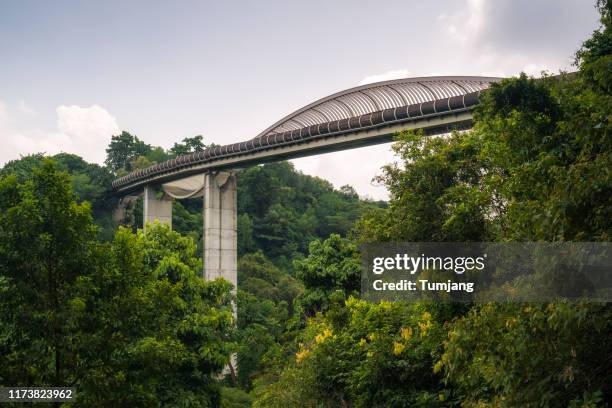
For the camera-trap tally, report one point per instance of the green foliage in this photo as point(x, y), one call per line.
point(259, 276)
point(235, 398)
point(363, 355)
point(140, 163)
point(435, 194)
point(332, 266)
point(128, 323)
point(189, 145)
point(286, 210)
point(549, 172)
point(595, 56)
point(157, 155)
point(187, 217)
point(47, 241)
point(246, 242)
point(548, 165)
point(503, 355)
point(22, 168)
point(536, 167)
point(123, 149)
point(290, 389)
point(265, 300)
point(90, 182)
point(177, 336)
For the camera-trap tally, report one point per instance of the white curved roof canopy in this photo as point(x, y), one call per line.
point(375, 97)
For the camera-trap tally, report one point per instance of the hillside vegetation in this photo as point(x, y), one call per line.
point(126, 318)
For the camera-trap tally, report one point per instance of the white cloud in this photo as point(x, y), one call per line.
point(26, 109)
point(536, 70)
point(510, 36)
point(82, 131)
point(500, 74)
point(394, 74)
point(467, 24)
point(89, 130)
point(3, 113)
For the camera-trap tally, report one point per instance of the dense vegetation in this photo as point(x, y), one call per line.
point(536, 167)
point(128, 322)
point(279, 212)
point(126, 318)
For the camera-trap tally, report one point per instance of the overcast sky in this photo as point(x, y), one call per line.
point(72, 73)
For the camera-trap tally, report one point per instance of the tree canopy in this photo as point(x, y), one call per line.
point(535, 167)
point(127, 319)
point(128, 322)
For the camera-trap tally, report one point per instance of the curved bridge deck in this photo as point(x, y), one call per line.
point(360, 116)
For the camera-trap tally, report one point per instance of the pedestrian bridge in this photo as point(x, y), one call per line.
point(361, 116)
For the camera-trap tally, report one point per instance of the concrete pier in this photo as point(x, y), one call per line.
point(220, 227)
point(121, 211)
point(155, 207)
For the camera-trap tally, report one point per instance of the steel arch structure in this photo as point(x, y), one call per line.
point(369, 98)
point(359, 116)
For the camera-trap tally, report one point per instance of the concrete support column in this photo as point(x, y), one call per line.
point(220, 227)
point(156, 208)
point(120, 212)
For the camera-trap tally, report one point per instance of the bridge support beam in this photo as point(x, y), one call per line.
point(155, 207)
point(220, 227)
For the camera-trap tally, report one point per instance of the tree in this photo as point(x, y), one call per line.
point(332, 266)
point(349, 191)
point(22, 167)
point(47, 241)
point(531, 355)
point(288, 209)
point(128, 323)
point(246, 243)
point(535, 167)
point(361, 354)
point(177, 337)
point(265, 299)
point(189, 145)
point(123, 149)
point(90, 182)
point(595, 55)
point(436, 193)
point(549, 153)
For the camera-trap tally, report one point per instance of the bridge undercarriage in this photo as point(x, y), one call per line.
point(218, 191)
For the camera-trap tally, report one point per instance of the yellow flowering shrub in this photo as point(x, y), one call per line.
point(406, 333)
point(398, 348)
point(301, 355)
point(320, 338)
